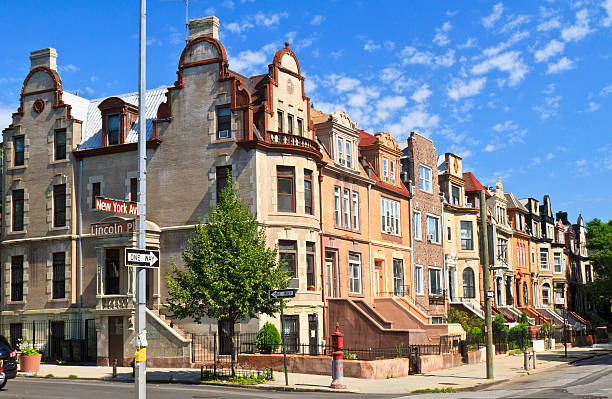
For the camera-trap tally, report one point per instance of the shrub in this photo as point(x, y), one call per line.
point(524, 319)
point(268, 338)
point(499, 324)
point(547, 329)
point(519, 335)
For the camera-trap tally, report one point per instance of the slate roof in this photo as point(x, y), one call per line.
point(472, 184)
point(514, 203)
point(88, 112)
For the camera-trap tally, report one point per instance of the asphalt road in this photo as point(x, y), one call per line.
point(589, 379)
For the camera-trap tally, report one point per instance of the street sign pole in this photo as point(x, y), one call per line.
point(484, 260)
point(283, 341)
point(140, 357)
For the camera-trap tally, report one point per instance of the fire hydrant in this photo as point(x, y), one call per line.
point(337, 372)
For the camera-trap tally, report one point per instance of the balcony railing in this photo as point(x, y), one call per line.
point(281, 142)
point(116, 302)
point(291, 140)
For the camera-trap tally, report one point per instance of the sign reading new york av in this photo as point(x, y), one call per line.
point(117, 206)
point(136, 257)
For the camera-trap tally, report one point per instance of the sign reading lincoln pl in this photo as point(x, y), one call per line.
point(120, 227)
point(117, 206)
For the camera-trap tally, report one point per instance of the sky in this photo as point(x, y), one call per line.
point(521, 90)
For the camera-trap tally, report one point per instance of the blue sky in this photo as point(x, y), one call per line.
point(522, 90)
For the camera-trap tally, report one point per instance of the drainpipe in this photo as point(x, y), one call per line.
point(80, 221)
point(323, 298)
point(444, 276)
point(411, 232)
point(370, 249)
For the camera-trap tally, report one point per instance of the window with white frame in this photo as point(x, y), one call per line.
point(385, 169)
point(341, 159)
point(425, 178)
point(467, 243)
point(349, 158)
point(418, 279)
point(354, 273)
point(417, 225)
point(435, 281)
point(392, 171)
point(390, 216)
point(557, 261)
point(433, 229)
point(347, 208)
point(337, 207)
point(546, 294)
point(544, 258)
point(355, 198)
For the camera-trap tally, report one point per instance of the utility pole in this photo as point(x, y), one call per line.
point(140, 341)
point(484, 259)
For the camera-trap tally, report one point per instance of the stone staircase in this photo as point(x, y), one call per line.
point(170, 323)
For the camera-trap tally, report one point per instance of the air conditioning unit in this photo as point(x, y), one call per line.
point(224, 134)
point(294, 283)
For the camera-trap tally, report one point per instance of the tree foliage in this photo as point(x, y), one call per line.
point(229, 270)
point(499, 324)
point(268, 338)
point(599, 243)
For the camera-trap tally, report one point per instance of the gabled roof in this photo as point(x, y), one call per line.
point(514, 203)
point(88, 112)
point(366, 138)
point(472, 184)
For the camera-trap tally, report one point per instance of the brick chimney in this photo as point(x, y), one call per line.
point(45, 57)
point(207, 26)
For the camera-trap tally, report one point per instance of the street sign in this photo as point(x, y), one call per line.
point(104, 229)
point(142, 257)
point(490, 294)
point(282, 294)
point(117, 206)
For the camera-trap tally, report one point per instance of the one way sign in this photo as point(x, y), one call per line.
point(142, 257)
point(281, 294)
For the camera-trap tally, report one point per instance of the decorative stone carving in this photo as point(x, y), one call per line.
point(386, 140)
point(39, 105)
point(342, 118)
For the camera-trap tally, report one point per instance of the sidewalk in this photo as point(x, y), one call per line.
point(463, 377)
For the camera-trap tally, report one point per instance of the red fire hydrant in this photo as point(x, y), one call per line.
point(338, 355)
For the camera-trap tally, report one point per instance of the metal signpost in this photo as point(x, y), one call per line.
point(484, 260)
point(282, 295)
point(140, 342)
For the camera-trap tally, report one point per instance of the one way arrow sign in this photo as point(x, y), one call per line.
point(281, 294)
point(142, 257)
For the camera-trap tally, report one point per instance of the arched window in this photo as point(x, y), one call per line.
point(468, 283)
point(545, 294)
point(525, 296)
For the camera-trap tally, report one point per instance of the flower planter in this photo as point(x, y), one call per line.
point(311, 288)
point(30, 363)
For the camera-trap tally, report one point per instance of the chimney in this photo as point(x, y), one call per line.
point(563, 217)
point(207, 26)
point(45, 57)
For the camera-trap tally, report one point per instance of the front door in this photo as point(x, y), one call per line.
point(56, 339)
point(313, 334)
point(115, 340)
point(291, 330)
point(333, 290)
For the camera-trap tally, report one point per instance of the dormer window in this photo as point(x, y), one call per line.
point(392, 171)
point(112, 130)
point(385, 169)
point(455, 194)
point(341, 159)
point(349, 158)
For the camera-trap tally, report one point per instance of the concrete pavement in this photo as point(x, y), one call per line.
point(464, 377)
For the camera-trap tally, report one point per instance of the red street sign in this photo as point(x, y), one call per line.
point(104, 229)
point(110, 205)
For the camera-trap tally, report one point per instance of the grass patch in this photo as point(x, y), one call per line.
point(49, 376)
point(72, 377)
point(436, 390)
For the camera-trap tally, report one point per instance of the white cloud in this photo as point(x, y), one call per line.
point(236, 27)
point(447, 59)
point(304, 43)
point(248, 61)
point(553, 48)
point(606, 90)
point(459, 89)
point(70, 68)
point(550, 156)
point(579, 30)
point(422, 93)
point(209, 11)
point(504, 127)
point(6, 114)
point(389, 44)
point(471, 42)
point(593, 106)
point(514, 22)
point(336, 54)
point(317, 20)
point(391, 103)
point(343, 83)
point(490, 147)
point(416, 118)
point(361, 97)
point(410, 55)
point(509, 62)
point(549, 108)
point(441, 37)
point(259, 19)
point(270, 19)
point(371, 46)
point(390, 73)
point(564, 64)
point(607, 5)
point(515, 38)
point(551, 24)
point(228, 4)
point(581, 162)
point(489, 21)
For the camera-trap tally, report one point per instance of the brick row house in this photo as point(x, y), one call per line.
point(375, 233)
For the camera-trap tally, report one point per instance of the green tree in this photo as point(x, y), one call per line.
point(599, 243)
point(229, 270)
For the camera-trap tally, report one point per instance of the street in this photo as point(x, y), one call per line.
point(586, 379)
point(590, 379)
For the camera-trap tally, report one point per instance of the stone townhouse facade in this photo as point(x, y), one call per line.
point(211, 123)
point(419, 163)
point(461, 249)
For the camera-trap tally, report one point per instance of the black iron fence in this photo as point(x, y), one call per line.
point(70, 341)
point(220, 372)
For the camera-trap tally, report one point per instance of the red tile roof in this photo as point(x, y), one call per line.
point(472, 184)
point(366, 138)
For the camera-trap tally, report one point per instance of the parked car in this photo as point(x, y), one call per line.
point(8, 362)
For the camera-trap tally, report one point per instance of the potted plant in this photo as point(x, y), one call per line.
point(29, 359)
point(311, 288)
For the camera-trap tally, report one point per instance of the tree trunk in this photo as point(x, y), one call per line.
point(232, 346)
